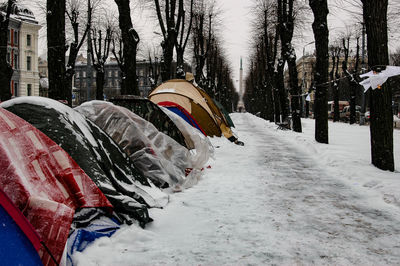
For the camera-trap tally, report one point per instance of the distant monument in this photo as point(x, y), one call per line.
point(240, 106)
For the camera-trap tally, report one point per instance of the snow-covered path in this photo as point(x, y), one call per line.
point(264, 203)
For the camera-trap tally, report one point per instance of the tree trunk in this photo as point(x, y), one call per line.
point(296, 94)
point(56, 49)
point(100, 85)
point(381, 127)
point(282, 92)
point(321, 34)
point(6, 70)
point(130, 40)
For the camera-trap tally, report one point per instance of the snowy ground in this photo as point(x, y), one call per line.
point(280, 199)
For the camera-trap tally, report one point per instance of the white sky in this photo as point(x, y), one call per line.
point(236, 32)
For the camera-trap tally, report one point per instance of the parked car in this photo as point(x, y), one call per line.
point(331, 107)
point(345, 113)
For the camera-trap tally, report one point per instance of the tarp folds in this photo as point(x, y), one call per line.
point(158, 156)
point(44, 182)
point(95, 152)
point(203, 150)
point(150, 111)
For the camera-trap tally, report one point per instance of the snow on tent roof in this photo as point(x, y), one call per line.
point(158, 156)
point(152, 113)
point(95, 152)
point(43, 181)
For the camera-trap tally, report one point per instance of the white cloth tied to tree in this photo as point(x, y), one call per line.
point(376, 80)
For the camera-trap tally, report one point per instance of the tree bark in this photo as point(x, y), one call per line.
point(381, 127)
point(56, 49)
point(321, 35)
point(130, 40)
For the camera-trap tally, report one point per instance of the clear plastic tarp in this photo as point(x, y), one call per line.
point(156, 155)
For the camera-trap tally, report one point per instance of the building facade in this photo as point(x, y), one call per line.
point(22, 54)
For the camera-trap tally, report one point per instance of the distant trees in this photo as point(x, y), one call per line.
point(265, 87)
point(6, 70)
point(74, 13)
point(100, 51)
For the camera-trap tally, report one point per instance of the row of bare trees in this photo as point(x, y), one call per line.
point(273, 51)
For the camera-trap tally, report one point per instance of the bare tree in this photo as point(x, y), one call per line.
point(321, 35)
point(79, 35)
point(184, 30)
point(6, 70)
point(375, 17)
point(129, 43)
point(334, 78)
point(172, 25)
point(100, 50)
point(286, 19)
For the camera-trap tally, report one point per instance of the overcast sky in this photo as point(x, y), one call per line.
point(236, 31)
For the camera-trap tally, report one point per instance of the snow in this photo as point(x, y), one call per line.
point(283, 198)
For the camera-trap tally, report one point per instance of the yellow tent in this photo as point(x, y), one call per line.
point(197, 102)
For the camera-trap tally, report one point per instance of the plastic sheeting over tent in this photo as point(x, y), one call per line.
point(203, 149)
point(151, 112)
point(158, 156)
point(44, 182)
point(96, 153)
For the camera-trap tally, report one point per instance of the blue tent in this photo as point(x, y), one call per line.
point(19, 241)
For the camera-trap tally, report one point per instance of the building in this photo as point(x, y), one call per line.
point(306, 68)
point(112, 79)
point(22, 54)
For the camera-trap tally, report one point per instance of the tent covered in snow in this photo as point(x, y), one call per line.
point(159, 157)
point(196, 102)
point(44, 182)
point(151, 112)
point(96, 153)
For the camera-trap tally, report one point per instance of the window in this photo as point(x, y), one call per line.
point(116, 73)
point(28, 63)
point(8, 57)
point(16, 37)
point(110, 73)
point(15, 60)
point(77, 74)
point(29, 90)
point(94, 74)
point(84, 74)
point(15, 89)
point(28, 40)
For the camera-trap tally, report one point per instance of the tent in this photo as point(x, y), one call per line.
point(179, 110)
point(96, 153)
point(20, 241)
point(195, 101)
point(158, 156)
point(225, 113)
point(151, 112)
point(44, 182)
